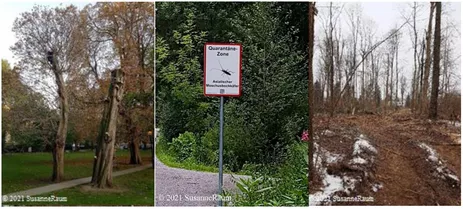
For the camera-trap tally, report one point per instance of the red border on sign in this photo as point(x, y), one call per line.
point(204, 69)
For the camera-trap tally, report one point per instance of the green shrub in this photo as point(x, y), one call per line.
point(288, 187)
point(207, 146)
point(183, 146)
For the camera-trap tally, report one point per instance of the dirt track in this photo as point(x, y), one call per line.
point(401, 166)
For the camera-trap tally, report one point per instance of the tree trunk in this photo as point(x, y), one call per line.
point(420, 78)
point(58, 162)
point(391, 83)
point(332, 105)
point(363, 95)
point(427, 65)
point(135, 146)
point(436, 62)
point(312, 11)
point(415, 60)
point(58, 144)
point(104, 154)
point(397, 70)
point(386, 99)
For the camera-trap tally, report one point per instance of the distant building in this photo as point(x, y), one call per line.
point(7, 138)
point(156, 132)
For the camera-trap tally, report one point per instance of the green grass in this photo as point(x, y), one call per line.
point(21, 171)
point(165, 157)
point(134, 189)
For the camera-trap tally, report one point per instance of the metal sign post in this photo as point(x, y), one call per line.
point(222, 77)
point(221, 151)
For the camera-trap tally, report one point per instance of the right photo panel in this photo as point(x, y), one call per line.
point(384, 102)
point(232, 104)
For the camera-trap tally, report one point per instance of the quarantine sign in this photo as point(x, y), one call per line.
point(222, 69)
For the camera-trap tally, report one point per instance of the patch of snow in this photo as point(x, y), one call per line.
point(442, 171)
point(432, 154)
point(349, 184)
point(335, 183)
point(457, 124)
point(317, 198)
point(452, 123)
point(331, 183)
point(325, 155)
point(328, 132)
point(333, 158)
point(358, 160)
point(363, 144)
point(376, 187)
point(454, 177)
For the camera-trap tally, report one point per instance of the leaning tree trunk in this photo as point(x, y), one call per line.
point(104, 154)
point(435, 67)
point(58, 144)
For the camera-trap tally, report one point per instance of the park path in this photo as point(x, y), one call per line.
point(73, 183)
point(180, 187)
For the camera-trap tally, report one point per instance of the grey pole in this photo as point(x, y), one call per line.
point(221, 151)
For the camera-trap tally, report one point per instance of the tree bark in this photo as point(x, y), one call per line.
point(135, 146)
point(436, 61)
point(391, 82)
point(415, 60)
point(331, 77)
point(427, 64)
point(58, 144)
point(104, 154)
point(386, 99)
point(397, 69)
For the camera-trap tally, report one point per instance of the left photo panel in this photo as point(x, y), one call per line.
point(77, 104)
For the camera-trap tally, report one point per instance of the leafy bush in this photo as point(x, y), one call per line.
point(288, 187)
point(273, 107)
point(207, 146)
point(183, 146)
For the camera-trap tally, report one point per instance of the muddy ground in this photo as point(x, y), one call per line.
point(401, 171)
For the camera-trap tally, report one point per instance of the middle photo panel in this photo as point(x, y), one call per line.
point(231, 104)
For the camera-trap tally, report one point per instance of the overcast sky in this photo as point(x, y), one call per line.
point(385, 16)
point(9, 12)
point(388, 15)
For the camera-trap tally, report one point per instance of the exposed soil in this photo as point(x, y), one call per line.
point(400, 171)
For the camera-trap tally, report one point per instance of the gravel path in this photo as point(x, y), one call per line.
point(180, 187)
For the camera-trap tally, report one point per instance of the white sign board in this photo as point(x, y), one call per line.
point(222, 69)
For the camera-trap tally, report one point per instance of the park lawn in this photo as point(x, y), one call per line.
point(21, 171)
point(131, 189)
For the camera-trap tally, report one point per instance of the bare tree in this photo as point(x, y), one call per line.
point(427, 65)
point(414, 39)
point(46, 46)
point(436, 63)
point(403, 88)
